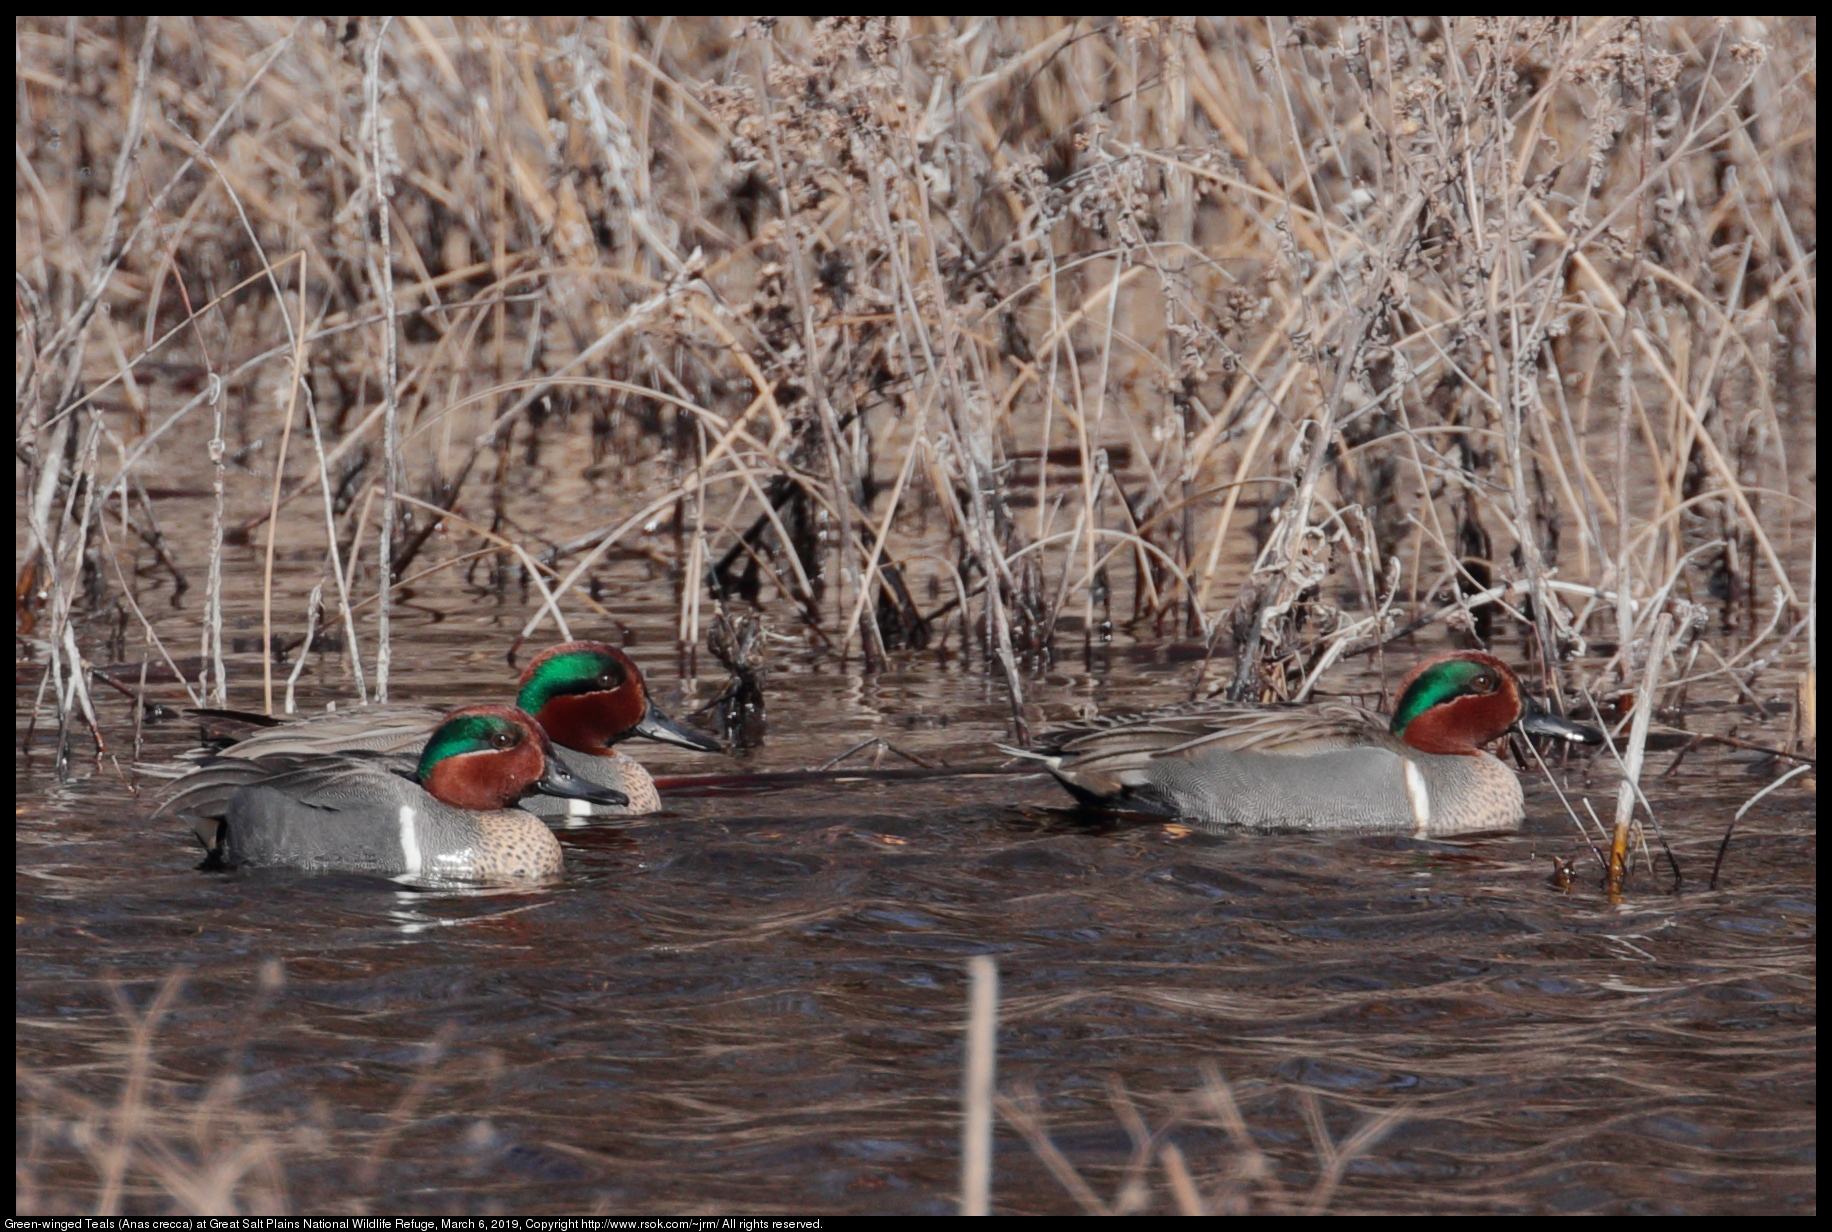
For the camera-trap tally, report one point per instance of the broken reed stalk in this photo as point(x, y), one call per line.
point(333, 550)
point(314, 617)
point(1632, 755)
point(1717, 866)
point(977, 1085)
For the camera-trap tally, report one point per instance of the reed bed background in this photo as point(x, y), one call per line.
point(986, 337)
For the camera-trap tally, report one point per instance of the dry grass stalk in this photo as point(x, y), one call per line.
point(1246, 1183)
point(162, 1144)
point(202, 1155)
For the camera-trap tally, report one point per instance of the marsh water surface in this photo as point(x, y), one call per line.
point(755, 1002)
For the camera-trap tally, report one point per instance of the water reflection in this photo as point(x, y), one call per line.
point(414, 910)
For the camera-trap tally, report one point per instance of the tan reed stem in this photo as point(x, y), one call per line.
point(977, 1089)
point(1632, 756)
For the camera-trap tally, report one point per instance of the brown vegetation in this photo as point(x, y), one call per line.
point(1036, 317)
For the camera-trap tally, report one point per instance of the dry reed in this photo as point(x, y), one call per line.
point(1243, 1184)
point(167, 1140)
point(201, 1151)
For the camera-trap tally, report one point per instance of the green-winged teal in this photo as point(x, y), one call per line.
point(588, 696)
point(1331, 766)
point(451, 816)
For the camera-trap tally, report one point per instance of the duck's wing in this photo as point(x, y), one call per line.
point(1116, 742)
point(394, 729)
point(333, 781)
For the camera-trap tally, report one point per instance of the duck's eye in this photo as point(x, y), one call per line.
point(1485, 682)
point(503, 739)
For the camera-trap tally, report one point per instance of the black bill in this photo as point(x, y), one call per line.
point(658, 726)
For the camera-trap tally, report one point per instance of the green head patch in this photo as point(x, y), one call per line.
point(467, 733)
point(569, 674)
point(1441, 683)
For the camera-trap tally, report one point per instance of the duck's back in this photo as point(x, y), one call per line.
point(394, 729)
point(1189, 728)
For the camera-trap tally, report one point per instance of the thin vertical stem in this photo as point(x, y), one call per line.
point(383, 272)
point(845, 486)
point(214, 692)
point(976, 1097)
point(273, 514)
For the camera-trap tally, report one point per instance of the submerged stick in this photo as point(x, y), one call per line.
point(1724, 847)
point(686, 785)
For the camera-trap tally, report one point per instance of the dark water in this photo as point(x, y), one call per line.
point(757, 1003)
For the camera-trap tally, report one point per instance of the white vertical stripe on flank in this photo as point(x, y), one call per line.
point(410, 839)
point(1420, 796)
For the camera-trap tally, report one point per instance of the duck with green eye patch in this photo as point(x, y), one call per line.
point(1328, 766)
point(450, 815)
point(588, 696)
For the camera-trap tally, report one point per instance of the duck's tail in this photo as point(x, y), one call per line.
point(201, 799)
point(1051, 760)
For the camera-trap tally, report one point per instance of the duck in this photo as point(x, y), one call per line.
point(448, 815)
point(588, 696)
point(1333, 765)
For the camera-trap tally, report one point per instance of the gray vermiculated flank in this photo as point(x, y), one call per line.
point(1350, 789)
point(344, 826)
point(1341, 789)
